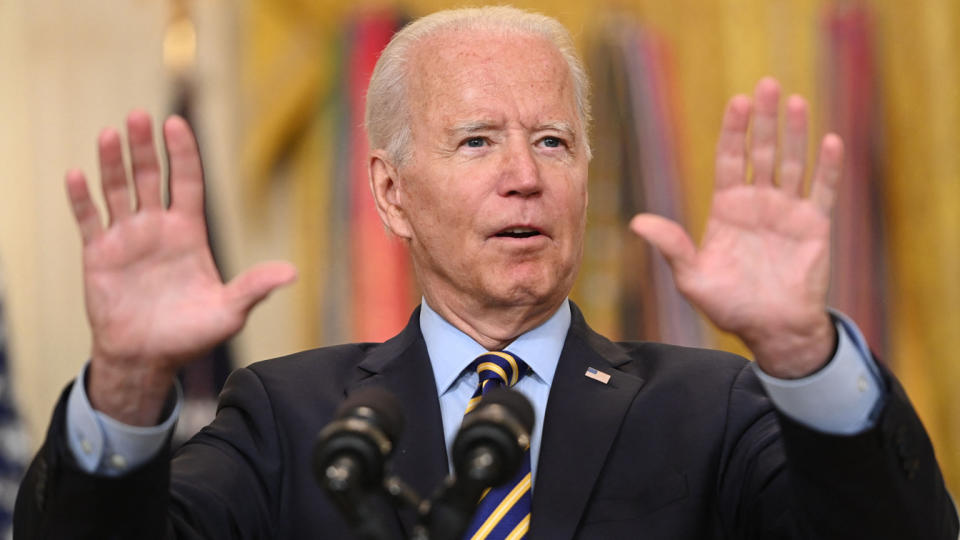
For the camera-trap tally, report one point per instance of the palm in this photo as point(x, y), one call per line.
point(154, 297)
point(762, 269)
point(763, 254)
point(142, 276)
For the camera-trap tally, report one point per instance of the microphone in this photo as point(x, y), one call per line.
point(487, 452)
point(350, 453)
point(492, 439)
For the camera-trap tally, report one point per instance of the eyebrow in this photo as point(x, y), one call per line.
point(565, 127)
point(474, 126)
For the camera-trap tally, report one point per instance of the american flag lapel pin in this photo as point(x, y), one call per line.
point(598, 375)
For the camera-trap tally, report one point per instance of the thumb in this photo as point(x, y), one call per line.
point(668, 237)
point(252, 286)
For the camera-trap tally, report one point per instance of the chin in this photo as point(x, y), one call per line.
point(529, 290)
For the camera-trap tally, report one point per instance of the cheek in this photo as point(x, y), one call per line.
point(574, 206)
point(434, 214)
point(574, 203)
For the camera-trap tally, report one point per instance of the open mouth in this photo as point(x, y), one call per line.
point(518, 232)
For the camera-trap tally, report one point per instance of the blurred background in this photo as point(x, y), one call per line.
point(274, 89)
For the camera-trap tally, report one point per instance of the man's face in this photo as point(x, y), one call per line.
point(495, 192)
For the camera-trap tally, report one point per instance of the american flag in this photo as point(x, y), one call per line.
point(14, 446)
point(597, 375)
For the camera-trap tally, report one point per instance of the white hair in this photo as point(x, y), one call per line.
point(387, 115)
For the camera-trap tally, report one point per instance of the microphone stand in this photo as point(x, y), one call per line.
point(356, 504)
point(438, 519)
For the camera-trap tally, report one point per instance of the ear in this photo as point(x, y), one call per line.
point(385, 186)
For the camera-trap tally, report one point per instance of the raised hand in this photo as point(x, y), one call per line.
point(762, 269)
point(154, 298)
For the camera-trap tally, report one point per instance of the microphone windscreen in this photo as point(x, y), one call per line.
point(515, 402)
point(385, 406)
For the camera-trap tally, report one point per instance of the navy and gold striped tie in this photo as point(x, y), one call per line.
point(503, 512)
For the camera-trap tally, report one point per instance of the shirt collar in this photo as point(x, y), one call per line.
point(451, 351)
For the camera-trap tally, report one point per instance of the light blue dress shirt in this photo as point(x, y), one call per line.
point(841, 398)
point(109, 447)
point(451, 353)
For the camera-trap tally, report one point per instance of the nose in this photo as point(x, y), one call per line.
point(520, 173)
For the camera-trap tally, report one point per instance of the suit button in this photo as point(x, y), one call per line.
point(905, 450)
point(911, 466)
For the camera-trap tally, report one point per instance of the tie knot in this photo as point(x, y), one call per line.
point(501, 368)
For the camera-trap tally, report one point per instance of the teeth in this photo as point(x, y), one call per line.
point(519, 230)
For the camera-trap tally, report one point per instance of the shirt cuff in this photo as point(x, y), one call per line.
point(843, 397)
point(104, 446)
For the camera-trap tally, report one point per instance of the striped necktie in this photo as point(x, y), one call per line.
point(503, 512)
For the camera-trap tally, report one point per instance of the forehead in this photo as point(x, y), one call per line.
point(468, 74)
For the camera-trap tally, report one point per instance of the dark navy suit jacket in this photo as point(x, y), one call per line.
point(679, 444)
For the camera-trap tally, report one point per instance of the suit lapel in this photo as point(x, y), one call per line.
point(582, 420)
point(401, 365)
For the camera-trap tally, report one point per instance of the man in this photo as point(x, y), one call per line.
point(478, 124)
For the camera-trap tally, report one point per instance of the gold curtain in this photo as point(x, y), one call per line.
point(720, 47)
point(919, 54)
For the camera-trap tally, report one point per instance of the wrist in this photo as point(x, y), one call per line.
point(794, 353)
point(133, 395)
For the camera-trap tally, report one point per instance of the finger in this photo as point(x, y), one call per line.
point(186, 172)
point(113, 177)
point(84, 210)
point(763, 137)
point(143, 156)
point(794, 158)
point(252, 286)
point(829, 168)
point(731, 161)
point(669, 238)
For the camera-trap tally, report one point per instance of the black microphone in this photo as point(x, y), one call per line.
point(350, 454)
point(351, 451)
point(492, 439)
point(487, 452)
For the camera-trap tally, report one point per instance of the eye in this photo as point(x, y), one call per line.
point(552, 142)
point(475, 142)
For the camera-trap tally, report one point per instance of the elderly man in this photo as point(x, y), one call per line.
point(478, 124)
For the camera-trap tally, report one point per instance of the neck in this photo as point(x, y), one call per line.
point(493, 327)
